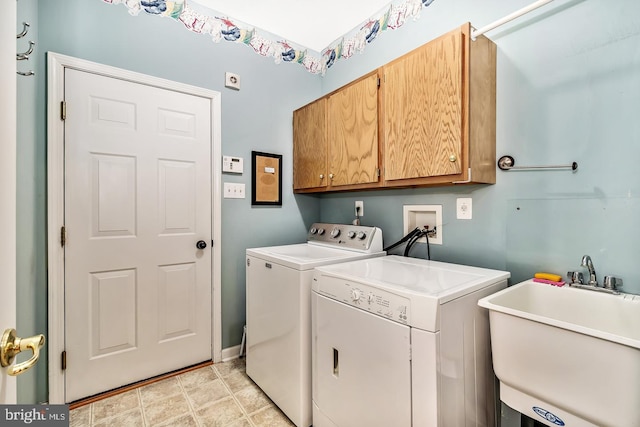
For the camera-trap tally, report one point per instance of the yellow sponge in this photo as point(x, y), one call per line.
point(548, 276)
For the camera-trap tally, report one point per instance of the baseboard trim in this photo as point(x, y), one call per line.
point(230, 353)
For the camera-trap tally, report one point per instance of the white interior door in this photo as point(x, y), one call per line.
point(137, 201)
point(8, 185)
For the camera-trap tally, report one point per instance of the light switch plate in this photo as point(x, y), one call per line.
point(233, 190)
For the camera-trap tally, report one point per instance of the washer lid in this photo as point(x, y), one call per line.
point(416, 278)
point(306, 256)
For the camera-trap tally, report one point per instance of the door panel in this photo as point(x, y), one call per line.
point(137, 199)
point(361, 368)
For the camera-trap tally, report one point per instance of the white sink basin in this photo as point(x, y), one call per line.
point(567, 356)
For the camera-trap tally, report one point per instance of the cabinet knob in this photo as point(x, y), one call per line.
point(330, 176)
point(453, 158)
point(321, 176)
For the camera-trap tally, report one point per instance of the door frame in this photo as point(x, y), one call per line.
point(8, 168)
point(56, 64)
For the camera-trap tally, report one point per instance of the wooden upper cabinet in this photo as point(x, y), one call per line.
point(353, 133)
point(438, 107)
point(310, 146)
point(430, 121)
point(335, 139)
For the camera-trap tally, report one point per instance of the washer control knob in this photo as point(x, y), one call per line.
point(320, 231)
point(355, 295)
point(313, 230)
point(335, 232)
point(362, 235)
point(351, 234)
point(371, 298)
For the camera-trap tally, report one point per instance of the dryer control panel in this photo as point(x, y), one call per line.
point(372, 299)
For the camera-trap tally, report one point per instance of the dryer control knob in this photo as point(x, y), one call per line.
point(351, 234)
point(320, 231)
point(355, 295)
point(361, 235)
point(335, 232)
point(371, 298)
point(313, 230)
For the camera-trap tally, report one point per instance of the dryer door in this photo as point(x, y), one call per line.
point(361, 367)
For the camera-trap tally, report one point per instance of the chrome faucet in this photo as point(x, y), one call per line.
point(586, 262)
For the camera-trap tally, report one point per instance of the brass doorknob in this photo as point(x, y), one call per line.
point(453, 158)
point(11, 345)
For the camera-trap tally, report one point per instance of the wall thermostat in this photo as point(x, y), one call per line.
point(232, 164)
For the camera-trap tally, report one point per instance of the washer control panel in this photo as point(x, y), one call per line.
point(374, 300)
point(347, 236)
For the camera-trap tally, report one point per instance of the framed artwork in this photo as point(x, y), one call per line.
point(266, 181)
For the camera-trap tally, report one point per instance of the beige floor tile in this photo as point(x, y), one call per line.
point(183, 421)
point(162, 410)
point(220, 413)
point(227, 368)
point(160, 390)
point(252, 398)
point(237, 381)
point(208, 393)
point(115, 405)
point(80, 417)
point(240, 423)
point(271, 417)
point(198, 377)
point(131, 418)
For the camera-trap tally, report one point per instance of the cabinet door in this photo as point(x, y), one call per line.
point(423, 108)
point(310, 146)
point(353, 133)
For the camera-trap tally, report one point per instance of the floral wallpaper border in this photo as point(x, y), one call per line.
point(224, 28)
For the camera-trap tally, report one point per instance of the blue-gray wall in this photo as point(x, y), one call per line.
point(568, 90)
point(258, 117)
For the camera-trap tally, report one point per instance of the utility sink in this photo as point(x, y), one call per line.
point(567, 356)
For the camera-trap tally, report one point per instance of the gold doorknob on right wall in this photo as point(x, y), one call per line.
point(11, 345)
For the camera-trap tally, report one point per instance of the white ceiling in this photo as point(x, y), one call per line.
point(309, 23)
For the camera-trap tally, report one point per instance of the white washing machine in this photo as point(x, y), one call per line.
point(401, 342)
point(278, 289)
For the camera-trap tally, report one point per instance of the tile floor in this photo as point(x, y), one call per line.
point(214, 396)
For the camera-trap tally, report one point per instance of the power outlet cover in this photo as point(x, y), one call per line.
point(464, 208)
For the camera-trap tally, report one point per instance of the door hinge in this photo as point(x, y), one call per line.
point(63, 236)
point(378, 81)
point(63, 360)
point(63, 110)
point(410, 353)
point(378, 172)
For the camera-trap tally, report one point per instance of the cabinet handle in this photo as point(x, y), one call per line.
point(453, 158)
point(321, 176)
point(330, 176)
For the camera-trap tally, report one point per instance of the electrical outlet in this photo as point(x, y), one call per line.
point(464, 208)
point(359, 204)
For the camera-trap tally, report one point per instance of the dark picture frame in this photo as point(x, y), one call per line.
point(266, 179)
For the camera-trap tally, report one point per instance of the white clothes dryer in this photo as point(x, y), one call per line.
point(278, 286)
point(401, 342)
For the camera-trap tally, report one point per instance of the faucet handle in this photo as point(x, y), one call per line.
point(611, 282)
point(575, 277)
